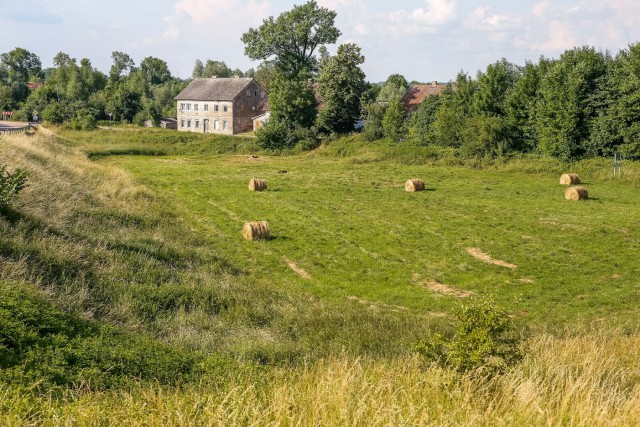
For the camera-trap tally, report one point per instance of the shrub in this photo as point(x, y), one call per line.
point(485, 340)
point(10, 185)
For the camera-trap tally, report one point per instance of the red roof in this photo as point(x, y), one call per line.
point(418, 93)
point(34, 85)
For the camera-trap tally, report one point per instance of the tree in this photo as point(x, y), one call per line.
point(155, 70)
point(393, 122)
point(198, 69)
point(394, 88)
point(17, 68)
point(421, 121)
point(289, 44)
point(292, 39)
point(520, 106)
point(341, 84)
point(122, 63)
point(493, 87)
point(564, 114)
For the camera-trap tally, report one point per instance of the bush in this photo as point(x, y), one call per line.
point(10, 185)
point(485, 340)
point(40, 344)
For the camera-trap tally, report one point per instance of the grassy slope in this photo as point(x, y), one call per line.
point(166, 260)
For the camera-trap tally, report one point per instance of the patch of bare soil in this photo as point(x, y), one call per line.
point(484, 257)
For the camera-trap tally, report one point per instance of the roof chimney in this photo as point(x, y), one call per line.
point(236, 76)
point(214, 77)
point(434, 83)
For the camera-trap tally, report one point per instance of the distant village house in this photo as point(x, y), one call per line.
point(419, 92)
point(220, 105)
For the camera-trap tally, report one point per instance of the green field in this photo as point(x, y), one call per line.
point(358, 235)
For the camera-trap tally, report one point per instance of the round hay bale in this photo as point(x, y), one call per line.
point(576, 193)
point(414, 185)
point(257, 184)
point(570, 179)
point(258, 230)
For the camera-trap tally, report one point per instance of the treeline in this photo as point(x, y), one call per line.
point(584, 104)
point(79, 94)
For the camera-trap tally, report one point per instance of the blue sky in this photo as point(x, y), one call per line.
point(422, 39)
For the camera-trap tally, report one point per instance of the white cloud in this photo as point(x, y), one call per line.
point(422, 20)
point(335, 4)
point(480, 20)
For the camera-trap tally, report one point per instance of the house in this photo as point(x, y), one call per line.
point(418, 93)
point(34, 85)
point(260, 120)
point(220, 105)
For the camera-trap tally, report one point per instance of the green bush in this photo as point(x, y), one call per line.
point(10, 185)
point(485, 340)
point(40, 344)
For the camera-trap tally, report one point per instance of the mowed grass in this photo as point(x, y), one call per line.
point(352, 230)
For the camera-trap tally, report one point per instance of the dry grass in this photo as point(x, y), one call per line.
point(576, 193)
point(569, 179)
point(484, 257)
point(299, 271)
point(443, 289)
point(257, 230)
point(582, 379)
point(414, 185)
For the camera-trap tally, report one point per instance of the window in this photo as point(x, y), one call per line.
point(216, 125)
point(182, 123)
point(188, 107)
point(188, 123)
point(255, 93)
point(195, 107)
point(225, 125)
point(215, 108)
point(263, 94)
point(248, 92)
point(197, 124)
point(225, 108)
point(182, 106)
point(206, 107)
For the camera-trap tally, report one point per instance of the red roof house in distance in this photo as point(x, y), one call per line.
point(34, 85)
point(418, 93)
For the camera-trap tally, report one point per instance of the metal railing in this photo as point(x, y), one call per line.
point(11, 130)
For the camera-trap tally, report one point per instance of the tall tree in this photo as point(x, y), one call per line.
point(341, 84)
point(155, 71)
point(122, 65)
point(292, 39)
point(289, 43)
point(564, 114)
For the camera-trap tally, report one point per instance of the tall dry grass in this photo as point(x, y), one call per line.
point(585, 378)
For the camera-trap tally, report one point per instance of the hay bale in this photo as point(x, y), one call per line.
point(257, 184)
point(414, 185)
point(576, 193)
point(570, 179)
point(258, 230)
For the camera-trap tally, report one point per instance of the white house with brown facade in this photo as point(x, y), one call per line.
point(220, 105)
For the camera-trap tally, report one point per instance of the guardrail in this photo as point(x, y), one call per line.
point(11, 130)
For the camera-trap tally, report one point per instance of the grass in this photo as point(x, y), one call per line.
point(582, 378)
point(132, 239)
point(349, 225)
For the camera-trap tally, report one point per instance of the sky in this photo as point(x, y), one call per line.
point(424, 40)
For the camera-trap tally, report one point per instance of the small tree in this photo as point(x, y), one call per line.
point(10, 185)
point(393, 121)
point(485, 340)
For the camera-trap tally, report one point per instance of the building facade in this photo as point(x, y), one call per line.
point(220, 105)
